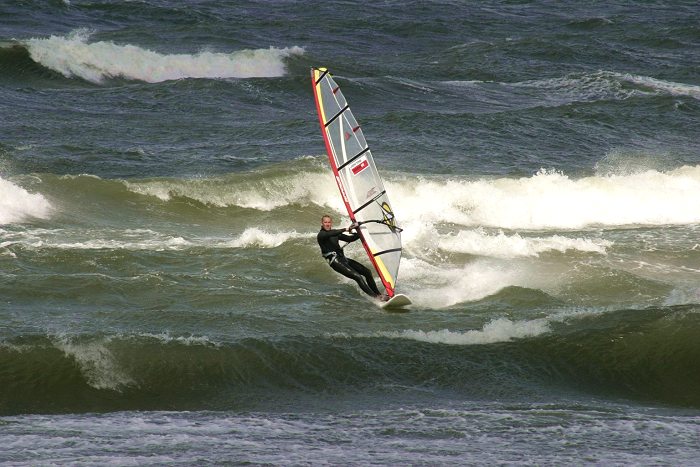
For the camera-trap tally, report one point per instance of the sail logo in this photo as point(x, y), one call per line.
point(388, 215)
point(342, 190)
point(360, 166)
point(348, 135)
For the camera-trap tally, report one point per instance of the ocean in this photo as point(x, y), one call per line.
point(163, 300)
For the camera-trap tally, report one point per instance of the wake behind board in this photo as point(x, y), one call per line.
point(397, 301)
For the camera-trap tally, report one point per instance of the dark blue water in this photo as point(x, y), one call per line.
point(162, 177)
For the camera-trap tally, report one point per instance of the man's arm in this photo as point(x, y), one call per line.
point(349, 238)
point(324, 234)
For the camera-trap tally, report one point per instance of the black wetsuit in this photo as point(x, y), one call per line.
point(331, 251)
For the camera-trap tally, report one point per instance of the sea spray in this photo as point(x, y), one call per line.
point(18, 205)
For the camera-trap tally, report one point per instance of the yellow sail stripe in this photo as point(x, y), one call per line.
point(317, 74)
point(382, 268)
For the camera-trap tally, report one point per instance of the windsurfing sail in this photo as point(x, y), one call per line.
point(359, 182)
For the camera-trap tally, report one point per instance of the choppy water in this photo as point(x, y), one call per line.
point(162, 178)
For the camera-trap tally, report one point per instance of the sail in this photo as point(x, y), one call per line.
point(359, 182)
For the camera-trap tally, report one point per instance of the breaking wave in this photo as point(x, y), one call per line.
point(74, 56)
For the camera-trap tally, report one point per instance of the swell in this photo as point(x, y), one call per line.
point(459, 97)
point(640, 354)
point(649, 354)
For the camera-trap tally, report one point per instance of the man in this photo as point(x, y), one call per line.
point(328, 239)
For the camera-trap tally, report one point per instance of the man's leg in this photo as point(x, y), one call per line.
point(366, 273)
point(344, 268)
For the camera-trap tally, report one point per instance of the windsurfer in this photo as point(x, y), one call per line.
point(328, 239)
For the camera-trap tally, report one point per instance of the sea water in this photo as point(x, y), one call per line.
point(163, 176)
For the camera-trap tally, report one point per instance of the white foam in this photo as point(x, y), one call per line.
point(609, 84)
point(442, 285)
point(583, 87)
point(110, 239)
point(670, 87)
point(497, 330)
point(96, 362)
point(74, 56)
point(166, 338)
point(157, 244)
point(141, 239)
point(552, 200)
point(437, 432)
point(18, 205)
point(683, 294)
point(479, 242)
point(260, 238)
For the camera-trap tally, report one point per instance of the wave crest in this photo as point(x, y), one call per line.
point(552, 200)
point(73, 56)
point(498, 330)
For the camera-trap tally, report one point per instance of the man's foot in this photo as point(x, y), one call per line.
point(382, 297)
